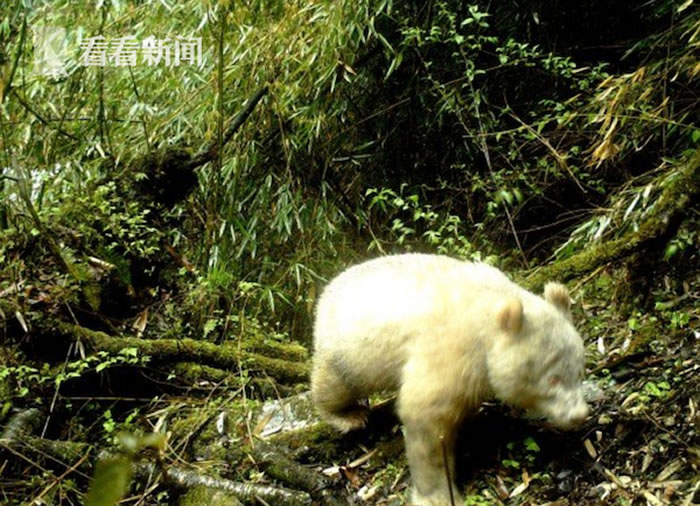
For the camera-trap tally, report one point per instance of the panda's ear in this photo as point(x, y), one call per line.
point(558, 295)
point(510, 316)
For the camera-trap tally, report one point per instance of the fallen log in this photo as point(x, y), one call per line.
point(284, 469)
point(195, 374)
point(680, 193)
point(248, 493)
point(223, 356)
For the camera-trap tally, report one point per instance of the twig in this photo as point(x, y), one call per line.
point(487, 157)
point(557, 156)
point(58, 480)
point(55, 393)
point(41, 119)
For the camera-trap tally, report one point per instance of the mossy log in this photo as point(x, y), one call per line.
point(283, 468)
point(222, 356)
point(248, 493)
point(193, 373)
point(680, 193)
point(23, 423)
point(17, 438)
point(327, 444)
point(200, 495)
point(257, 342)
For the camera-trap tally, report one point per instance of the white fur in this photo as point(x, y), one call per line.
point(445, 334)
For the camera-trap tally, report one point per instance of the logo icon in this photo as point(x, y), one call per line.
point(50, 50)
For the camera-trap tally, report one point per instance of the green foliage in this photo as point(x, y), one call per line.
point(460, 86)
point(514, 464)
point(633, 323)
point(531, 445)
point(498, 118)
point(414, 224)
point(478, 500)
point(679, 319)
point(217, 306)
point(530, 448)
point(110, 482)
point(113, 474)
point(658, 389)
point(26, 379)
point(118, 227)
point(107, 226)
point(465, 129)
point(685, 240)
point(259, 206)
point(82, 231)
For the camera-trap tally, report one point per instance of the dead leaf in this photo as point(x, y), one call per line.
point(366, 492)
point(590, 448)
point(331, 471)
point(519, 489)
point(629, 399)
point(21, 321)
point(652, 499)
point(600, 344)
point(351, 476)
point(669, 470)
point(501, 488)
point(139, 324)
point(359, 461)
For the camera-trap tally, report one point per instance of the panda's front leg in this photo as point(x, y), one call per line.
point(430, 418)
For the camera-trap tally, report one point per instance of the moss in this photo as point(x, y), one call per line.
point(667, 211)
point(201, 495)
point(329, 445)
point(649, 330)
point(201, 426)
point(257, 388)
point(602, 283)
point(186, 349)
point(258, 342)
point(193, 372)
point(325, 440)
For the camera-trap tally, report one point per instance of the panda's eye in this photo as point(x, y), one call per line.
point(554, 380)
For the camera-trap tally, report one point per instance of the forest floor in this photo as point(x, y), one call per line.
point(639, 446)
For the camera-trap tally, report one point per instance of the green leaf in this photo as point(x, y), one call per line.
point(633, 324)
point(670, 251)
point(110, 482)
point(511, 463)
point(652, 389)
point(695, 135)
point(507, 196)
point(531, 445)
